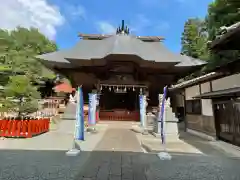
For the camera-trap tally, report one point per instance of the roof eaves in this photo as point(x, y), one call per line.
point(223, 92)
point(104, 36)
point(195, 80)
point(229, 32)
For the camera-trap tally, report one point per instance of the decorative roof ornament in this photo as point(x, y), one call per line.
point(123, 29)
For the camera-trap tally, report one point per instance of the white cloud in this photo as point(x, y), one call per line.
point(105, 27)
point(31, 13)
point(76, 12)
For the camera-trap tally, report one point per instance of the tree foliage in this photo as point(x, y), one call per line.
point(197, 33)
point(221, 13)
point(20, 95)
point(20, 70)
point(18, 49)
point(194, 38)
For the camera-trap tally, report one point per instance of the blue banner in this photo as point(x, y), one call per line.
point(161, 118)
point(79, 127)
point(142, 103)
point(92, 108)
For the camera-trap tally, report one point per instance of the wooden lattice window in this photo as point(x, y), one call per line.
point(193, 106)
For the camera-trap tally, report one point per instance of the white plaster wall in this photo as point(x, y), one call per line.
point(191, 92)
point(207, 109)
point(205, 87)
point(226, 82)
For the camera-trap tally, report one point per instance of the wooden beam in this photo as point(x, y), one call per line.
point(99, 70)
point(103, 36)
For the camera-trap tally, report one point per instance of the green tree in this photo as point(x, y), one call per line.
point(5, 68)
point(221, 13)
point(21, 95)
point(18, 49)
point(19, 68)
point(194, 39)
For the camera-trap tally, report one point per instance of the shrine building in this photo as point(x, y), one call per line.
point(119, 67)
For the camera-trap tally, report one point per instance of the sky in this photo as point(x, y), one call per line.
point(63, 20)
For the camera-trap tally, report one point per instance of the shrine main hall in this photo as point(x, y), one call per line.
point(119, 67)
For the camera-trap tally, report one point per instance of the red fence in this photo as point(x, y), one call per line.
point(23, 128)
point(119, 115)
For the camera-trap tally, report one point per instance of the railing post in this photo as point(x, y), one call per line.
point(29, 126)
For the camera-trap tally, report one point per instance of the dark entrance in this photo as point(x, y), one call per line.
point(112, 100)
point(119, 104)
point(227, 118)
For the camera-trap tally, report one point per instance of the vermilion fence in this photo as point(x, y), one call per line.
point(23, 128)
point(119, 115)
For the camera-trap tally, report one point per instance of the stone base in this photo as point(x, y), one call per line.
point(92, 130)
point(73, 152)
point(164, 156)
point(157, 135)
point(137, 129)
point(171, 131)
point(145, 132)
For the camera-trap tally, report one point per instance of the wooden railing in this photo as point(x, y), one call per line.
point(119, 115)
point(23, 128)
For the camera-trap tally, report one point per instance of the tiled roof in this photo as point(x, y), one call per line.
point(195, 80)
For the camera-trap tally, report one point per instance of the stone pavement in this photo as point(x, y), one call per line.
point(113, 153)
point(59, 140)
point(186, 143)
point(139, 166)
point(118, 156)
point(119, 140)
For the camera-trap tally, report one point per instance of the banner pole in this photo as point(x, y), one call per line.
point(164, 155)
point(81, 114)
point(75, 150)
point(92, 112)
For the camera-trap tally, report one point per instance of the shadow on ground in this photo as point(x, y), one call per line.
point(199, 143)
point(104, 165)
point(205, 146)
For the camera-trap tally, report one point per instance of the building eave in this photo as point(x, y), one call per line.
point(221, 40)
point(103, 36)
point(200, 79)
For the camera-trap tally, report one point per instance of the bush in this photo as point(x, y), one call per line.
point(20, 95)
